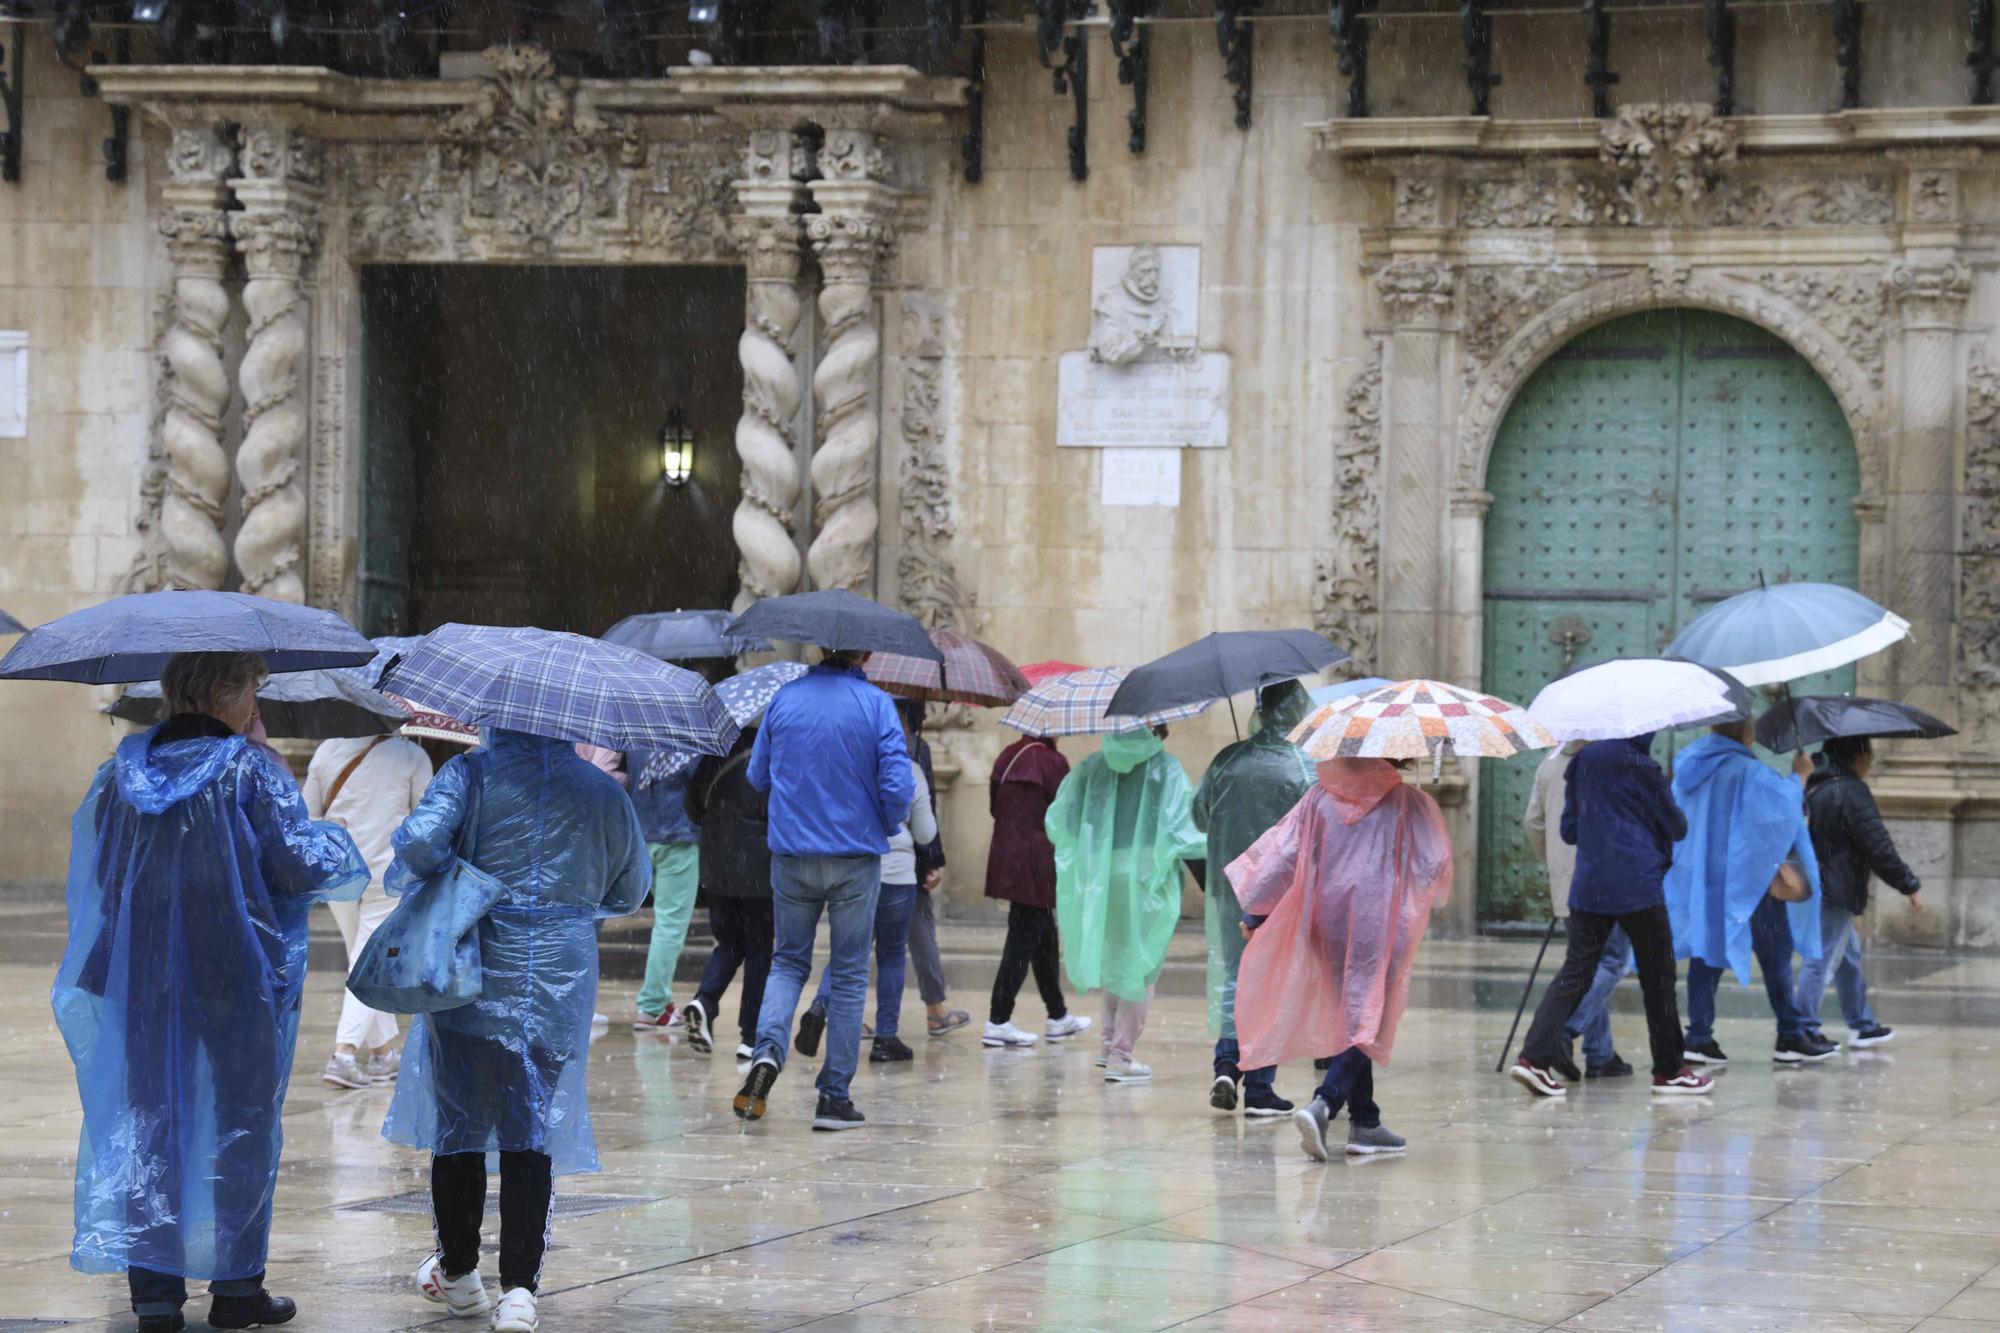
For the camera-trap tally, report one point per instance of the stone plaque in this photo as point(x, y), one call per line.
point(1141, 477)
point(13, 385)
point(1178, 404)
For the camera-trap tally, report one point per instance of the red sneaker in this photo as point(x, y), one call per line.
point(1538, 1079)
point(645, 1022)
point(1687, 1083)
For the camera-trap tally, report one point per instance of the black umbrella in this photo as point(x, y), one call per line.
point(836, 619)
point(1793, 724)
point(9, 625)
point(304, 705)
point(1222, 665)
point(682, 636)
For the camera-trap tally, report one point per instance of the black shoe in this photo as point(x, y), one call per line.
point(1612, 1068)
point(1565, 1066)
point(811, 1026)
point(251, 1311)
point(695, 1022)
point(1708, 1053)
point(162, 1323)
point(889, 1050)
point(749, 1103)
point(1872, 1035)
point(1324, 1063)
point(837, 1113)
point(1806, 1049)
point(1222, 1093)
point(1264, 1102)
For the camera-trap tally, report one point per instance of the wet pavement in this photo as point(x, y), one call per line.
point(1014, 1189)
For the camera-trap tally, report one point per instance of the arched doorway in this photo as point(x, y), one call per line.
point(1653, 466)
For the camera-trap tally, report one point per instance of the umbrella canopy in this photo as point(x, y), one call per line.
point(304, 705)
point(9, 625)
point(1809, 719)
point(131, 638)
point(1073, 705)
point(1415, 718)
point(421, 723)
point(682, 636)
point(1636, 696)
point(1037, 672)
point(1326, 694)
point(746, 695)
point(839, 620)
point(1222, 664)
point(564, 686)
point(1774, 634)
point(971, 673)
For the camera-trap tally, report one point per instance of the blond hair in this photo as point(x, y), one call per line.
point(209, 683)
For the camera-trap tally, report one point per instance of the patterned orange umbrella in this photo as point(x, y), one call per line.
point(1413, 719)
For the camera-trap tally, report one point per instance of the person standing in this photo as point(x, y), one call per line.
point(831, 754)
point(673, 844)
point(736, 875)
point(1021, 872)
point(1250, 787)
point(940, 1019)
point(1744, 822)
point(509, 1072)
point(1850, 842)
point(1592, 1019)
point(193, 868)
point(368, 785)
point(1121, 825)
point(1619, 814)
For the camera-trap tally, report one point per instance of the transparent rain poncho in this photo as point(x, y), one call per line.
point(1121, 825)
point(508, 1071)
point(193, 866)
point(1250, 786)
point(1347, 882)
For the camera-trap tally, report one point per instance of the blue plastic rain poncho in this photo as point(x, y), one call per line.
point(507, 1072)
point(193, 865)
point(1743, 821)
point(1121, 825)
point(1250, 787)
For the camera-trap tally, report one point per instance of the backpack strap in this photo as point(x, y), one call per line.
point(333, 792)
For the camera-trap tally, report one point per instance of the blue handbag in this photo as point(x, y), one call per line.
point(425, 956)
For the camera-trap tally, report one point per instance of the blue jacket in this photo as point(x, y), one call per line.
point(1619, 814)
point(662, 805)
point(831, 754)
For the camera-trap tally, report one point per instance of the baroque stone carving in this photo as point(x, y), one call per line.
point(1849, 305)
point(1514, 203)
point(276, 243)
point(1593, 197)
point(148, 571)
point(1135, 317)
point(1417, 201)
point(849, 245)
point(1499, 300)
point(327, 585)
point(1933, 196)
point(766, 437)
point(1411, 288)
point(926, 576)
point(1928, 292)
point(1667, 155)
point(1979, 535)
point(1347, 579)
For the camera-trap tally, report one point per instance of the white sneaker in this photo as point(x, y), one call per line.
point(384, 1065)
point(516, 1312)
point(744, 1055)
point(1006, 1034)
point(344, 1071)
point(1127, 1071)
point(464, 1296)
point(1069, 1025)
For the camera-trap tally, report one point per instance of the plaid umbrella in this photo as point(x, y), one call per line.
point(973, 673)
point(746, 695)
point(423, 723)
point(1073, 705)
point(564, 686)
point(1415, 718)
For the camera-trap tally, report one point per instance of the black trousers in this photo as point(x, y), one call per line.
point(527, 1210)
point(742, 929)
point(1652, 936)
point(1031, 944)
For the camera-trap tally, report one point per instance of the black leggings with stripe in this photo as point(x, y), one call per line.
point(458, 1204)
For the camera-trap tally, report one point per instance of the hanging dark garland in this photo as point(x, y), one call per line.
point(1350, 47)
point(1072, 76)
point(1235, 39)
point(1597, 75)
point(1132, 44)
point(1981, 57)
point(11, 71)
point(972, 144)
point(1847, 49)
point(1475, 26)
point(1722, 55)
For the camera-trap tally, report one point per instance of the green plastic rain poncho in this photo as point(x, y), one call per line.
point(1250, 787)
point(1121, 826)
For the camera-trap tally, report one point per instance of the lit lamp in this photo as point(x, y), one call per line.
point(676, 448)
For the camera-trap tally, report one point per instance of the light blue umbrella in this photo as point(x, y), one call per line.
point(9, 625)
point(1774, 634)
point(682, 636)
point(131, 638)
point(1326, 694)
point(746, 695)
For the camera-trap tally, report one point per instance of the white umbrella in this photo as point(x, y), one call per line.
point(1633, 697)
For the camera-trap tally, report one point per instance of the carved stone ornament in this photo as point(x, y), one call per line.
point(199, 155)
point(1499, 300)
point(281, 154)
point(926, 575)
point(1414, 288)
point(1418, 201)
point(853, 155)
point(1347, 577)
point(768, 561)
point(1845, 303)
point(1143, 309)
point(1929, 292)
point(1979, 538)
point(1670, 156)
point(1580, 196)
point(1933, 196)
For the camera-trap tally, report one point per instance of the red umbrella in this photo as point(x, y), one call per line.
point(973, 673)
point(1042, 671)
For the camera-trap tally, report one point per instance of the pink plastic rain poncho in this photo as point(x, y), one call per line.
point(1347, 882)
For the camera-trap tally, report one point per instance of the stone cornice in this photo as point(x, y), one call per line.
point(1486, 136)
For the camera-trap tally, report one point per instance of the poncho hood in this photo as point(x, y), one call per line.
point(1126, 750)
point(153, 779)
point(1281, 707)
point(1357, 786)
point(1697, 765)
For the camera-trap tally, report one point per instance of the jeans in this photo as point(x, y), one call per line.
point(1592, 1019)
point(1254, 1080)
point(1350, 1080)
point(924, 955)
point(527, 1213)
point(742, 929)
point(1651, 934)
point(1839, 937)
point(843, 888)
point(893, 906)
point(676, 878)
point(1771, 942)
point(166, 1293)
point(1032, 943)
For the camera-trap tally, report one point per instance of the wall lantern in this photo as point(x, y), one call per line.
point(676, 448)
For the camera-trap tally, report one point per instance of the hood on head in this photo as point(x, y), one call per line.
point(153, 779)
point(1701, 761)
point(1126, 750)
point(1358, 785)
point(1281, 707)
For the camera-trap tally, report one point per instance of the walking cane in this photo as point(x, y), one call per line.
point(1526, 991)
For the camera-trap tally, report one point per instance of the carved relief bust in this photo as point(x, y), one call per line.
point(1142, 305)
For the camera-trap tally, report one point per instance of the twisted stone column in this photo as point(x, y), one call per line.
point(191, 552)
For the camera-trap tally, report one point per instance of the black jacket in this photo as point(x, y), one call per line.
point(735, 821)
point(930, 856)
point(1849, 838)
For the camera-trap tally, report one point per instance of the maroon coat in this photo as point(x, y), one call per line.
point(1021, 868)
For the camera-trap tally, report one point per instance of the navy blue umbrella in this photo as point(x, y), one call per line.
point(9, 625)
point(304, 705)
point(683, 636)
point(836, 619)
point(1221, 665)
point(131, 638)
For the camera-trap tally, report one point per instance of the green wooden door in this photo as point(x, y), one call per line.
point(1653, 466)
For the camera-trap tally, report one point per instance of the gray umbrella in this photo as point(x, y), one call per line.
point(304, 705)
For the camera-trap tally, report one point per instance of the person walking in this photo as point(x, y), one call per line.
point(1619, 814)
point(1251, 785)
point(193, 868)
point(832, 755)
point(1021, 872)
point(1592, 1019)
point(1851, 842)
point(368, 785)
point(940, 1019)
point(1121, 825)
point(509, 1072)
point(1335, 899)
point(736, 877)
point(673, 843)
point(1744, 822)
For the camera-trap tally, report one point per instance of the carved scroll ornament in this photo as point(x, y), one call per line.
point(1347, 578)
